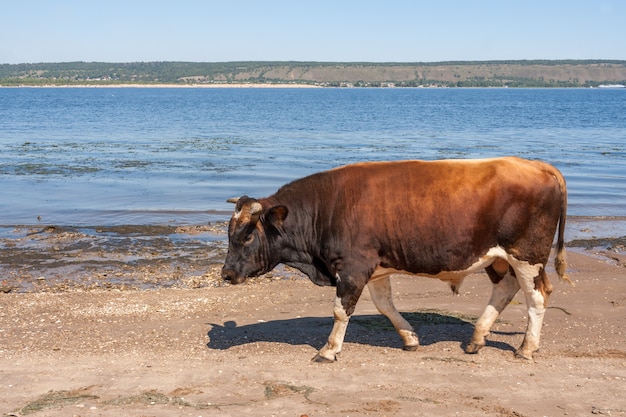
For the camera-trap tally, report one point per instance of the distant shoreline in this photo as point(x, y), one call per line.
point(302, 74)
point(128, 85)
point(269, 86)
point(282, 85)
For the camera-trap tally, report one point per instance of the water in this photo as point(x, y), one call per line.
point(110, 156)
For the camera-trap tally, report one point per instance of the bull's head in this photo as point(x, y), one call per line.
point(253, 235)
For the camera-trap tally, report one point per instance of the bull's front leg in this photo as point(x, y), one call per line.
point(335, 341)
point(345, 303)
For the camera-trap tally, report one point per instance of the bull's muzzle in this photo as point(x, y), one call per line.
point(232, 276)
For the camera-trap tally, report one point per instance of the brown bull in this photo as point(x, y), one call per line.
point(356, 225)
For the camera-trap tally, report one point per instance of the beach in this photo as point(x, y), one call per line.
point(114, 321)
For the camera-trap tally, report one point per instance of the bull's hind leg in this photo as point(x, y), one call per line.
point(537, 288)
point(380, 290)
point(505, 286)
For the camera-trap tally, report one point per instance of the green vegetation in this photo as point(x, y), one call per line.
point(532, 73)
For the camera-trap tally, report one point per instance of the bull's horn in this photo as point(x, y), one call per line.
point(233, 200)
point(255, 208)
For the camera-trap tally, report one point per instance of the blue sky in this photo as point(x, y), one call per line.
point(320, 30)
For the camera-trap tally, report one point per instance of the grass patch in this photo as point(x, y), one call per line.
point(56, 399)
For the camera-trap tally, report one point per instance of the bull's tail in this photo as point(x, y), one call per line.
point(559, 261)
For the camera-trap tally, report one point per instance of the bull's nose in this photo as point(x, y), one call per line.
point(232, 276)
point(228, 274)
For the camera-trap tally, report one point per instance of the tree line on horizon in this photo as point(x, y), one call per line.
point(516, 73)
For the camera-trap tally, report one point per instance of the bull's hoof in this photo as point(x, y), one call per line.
point(411, 348)
point(321, 359)
point(519, 354)
point(473, 348)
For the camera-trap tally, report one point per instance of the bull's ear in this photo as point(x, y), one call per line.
point(276, 216)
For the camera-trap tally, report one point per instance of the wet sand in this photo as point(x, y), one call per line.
point(134, 320)
point(59, 258)
point(50, 258)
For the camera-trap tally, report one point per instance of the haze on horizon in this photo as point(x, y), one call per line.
point(327, 31)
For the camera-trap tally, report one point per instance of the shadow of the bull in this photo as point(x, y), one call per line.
point(373, 330)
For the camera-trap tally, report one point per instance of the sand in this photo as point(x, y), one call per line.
point(144, 344)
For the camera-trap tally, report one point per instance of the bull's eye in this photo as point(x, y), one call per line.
point(249, 239)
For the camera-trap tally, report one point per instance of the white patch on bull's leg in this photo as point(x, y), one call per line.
point(335, 341)
point(501, 295)
point(526, 274)
point(380, 290)
point(536, 312)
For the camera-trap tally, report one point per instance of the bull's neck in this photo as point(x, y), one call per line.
point(299, 226)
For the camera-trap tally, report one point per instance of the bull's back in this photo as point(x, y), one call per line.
point(439, 189)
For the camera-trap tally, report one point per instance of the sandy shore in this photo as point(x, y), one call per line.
point(80, 337)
